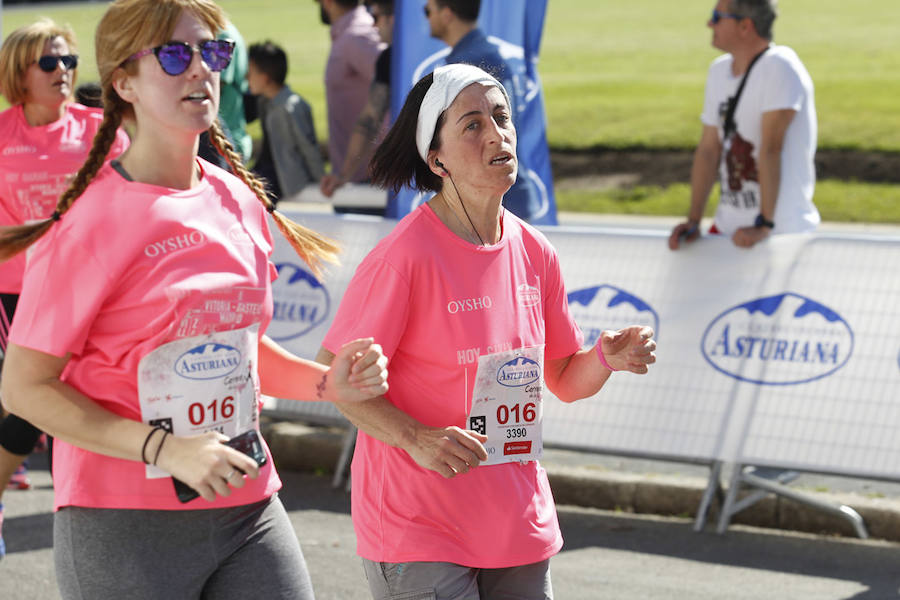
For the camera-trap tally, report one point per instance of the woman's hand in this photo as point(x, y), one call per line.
point(204, 462)
point(358, 372)
point(629, 349)
point(447, 450)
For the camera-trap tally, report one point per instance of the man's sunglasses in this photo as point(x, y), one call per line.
point(49, 62)
point(175, 57)
point(718, 16)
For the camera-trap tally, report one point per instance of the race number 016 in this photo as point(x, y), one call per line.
point(197, 412)
point(505, 412)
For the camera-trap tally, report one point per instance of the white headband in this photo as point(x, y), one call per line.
point(449, 81)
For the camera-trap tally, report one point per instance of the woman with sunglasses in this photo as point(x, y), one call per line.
point(153, 286)
point(44, 138)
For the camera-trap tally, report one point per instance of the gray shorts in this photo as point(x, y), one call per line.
point(243, 552)
point(448, 581)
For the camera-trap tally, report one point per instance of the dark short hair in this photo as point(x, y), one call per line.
point(386, 6)
point(396, 162)
point(89, 94)
point(761, 12)
point(269, 58)
point(348, 3)
point(465, 10)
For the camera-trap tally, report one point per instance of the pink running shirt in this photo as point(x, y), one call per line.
point(130, 267)
point(35, 166)
point(435, 303)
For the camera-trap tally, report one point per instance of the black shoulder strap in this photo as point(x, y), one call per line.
point(729, 125)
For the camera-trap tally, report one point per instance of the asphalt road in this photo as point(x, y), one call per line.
point(607, 555)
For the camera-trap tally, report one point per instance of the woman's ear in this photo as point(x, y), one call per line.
point(435, 164)
point(121, 82)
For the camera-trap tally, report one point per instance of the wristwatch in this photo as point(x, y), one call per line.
point(761, 221)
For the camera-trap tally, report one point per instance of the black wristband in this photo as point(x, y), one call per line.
point(761, 221)
point(159, 448)
point(147, 441)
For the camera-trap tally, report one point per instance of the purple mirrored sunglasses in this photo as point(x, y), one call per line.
point(175, 57)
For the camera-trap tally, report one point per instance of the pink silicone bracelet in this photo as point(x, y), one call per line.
point(603, 358)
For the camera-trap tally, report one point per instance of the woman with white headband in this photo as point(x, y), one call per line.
point(468, 302)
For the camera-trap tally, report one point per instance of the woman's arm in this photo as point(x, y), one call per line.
point(30, 387)
point(357, 373)
point(581, 375)
point(445, 450)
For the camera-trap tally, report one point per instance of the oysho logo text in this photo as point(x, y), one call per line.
point(172, 244)
point(469, 304)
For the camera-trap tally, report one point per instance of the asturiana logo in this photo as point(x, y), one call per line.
point(778, 340)
point(608, 307)
point(301, 303)
point(208, 361)
point(518, 372)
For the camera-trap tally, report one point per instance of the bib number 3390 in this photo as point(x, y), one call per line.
point(507, 404)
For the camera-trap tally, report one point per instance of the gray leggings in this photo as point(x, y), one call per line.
point(243, 552)
point(449, 581)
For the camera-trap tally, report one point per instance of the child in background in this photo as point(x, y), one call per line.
point(290, 158)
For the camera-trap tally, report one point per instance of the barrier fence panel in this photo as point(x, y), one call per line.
point(783, 355)
point(845, 416)
point(614, 280)
point(683, 407)
point(304, 307)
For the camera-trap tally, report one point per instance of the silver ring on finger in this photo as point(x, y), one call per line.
point(230, 475)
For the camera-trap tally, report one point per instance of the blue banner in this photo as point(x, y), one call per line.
point(515, 27)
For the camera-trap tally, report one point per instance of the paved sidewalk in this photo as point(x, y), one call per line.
point(644, 486)
point(606, 555)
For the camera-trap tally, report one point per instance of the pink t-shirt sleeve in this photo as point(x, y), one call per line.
point(562, 335)
point(76, 297)
point(376, 304)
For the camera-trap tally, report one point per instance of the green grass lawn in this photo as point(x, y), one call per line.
point(632, 74)
point(621, 73)
point(841, 201)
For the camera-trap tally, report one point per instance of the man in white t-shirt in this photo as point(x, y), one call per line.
point(764, 162)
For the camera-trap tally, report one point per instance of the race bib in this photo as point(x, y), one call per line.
point(199, 384)
point(507, 404)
